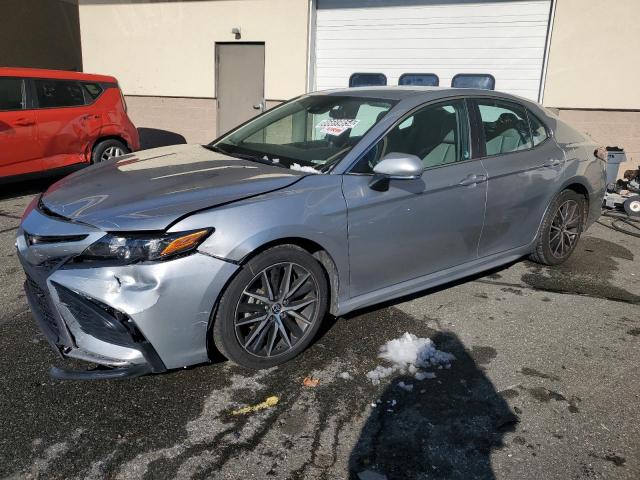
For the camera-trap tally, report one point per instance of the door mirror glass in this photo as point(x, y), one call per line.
point(402, 166)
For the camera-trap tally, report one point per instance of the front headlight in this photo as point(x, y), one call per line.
point(142, 247)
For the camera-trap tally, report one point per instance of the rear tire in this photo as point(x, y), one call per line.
point(561, 229)
point(272, 309)
point(108, 149)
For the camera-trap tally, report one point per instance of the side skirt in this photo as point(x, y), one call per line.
point(432, 280)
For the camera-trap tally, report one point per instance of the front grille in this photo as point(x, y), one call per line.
point(42, 306)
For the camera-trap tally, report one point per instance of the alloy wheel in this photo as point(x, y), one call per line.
point(565, 229)
point(276, 310)
point(111, 152)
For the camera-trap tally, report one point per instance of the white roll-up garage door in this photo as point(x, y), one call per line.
point(446, 37)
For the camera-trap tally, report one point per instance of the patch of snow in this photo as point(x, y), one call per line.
point(306, 169)
point(424, 375)
point(411, 354)
point(405, 386)
point(345, 375)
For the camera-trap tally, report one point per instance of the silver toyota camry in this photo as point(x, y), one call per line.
point(328, 203)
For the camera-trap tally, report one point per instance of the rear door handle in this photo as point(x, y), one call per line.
point(551, 162)
point(24, 122)
point(90, 117)
point(472, 180)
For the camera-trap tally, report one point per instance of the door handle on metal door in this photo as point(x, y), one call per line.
point(473, 179)
point(90, 117)
point(551, 162)
point(24, 122)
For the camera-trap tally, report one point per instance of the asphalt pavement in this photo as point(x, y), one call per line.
point(545, 385)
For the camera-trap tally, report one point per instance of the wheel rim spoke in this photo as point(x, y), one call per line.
point(299, 316)
point(255, 332)
point(260, 298)
point(299, 304)
point(267, 285)
point(283, 331)
point(292, 291)
point(250, 320)
point(286, 281)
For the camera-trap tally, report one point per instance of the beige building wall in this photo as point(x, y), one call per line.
point(163, 54)
point(593, 71)
point(40, 34)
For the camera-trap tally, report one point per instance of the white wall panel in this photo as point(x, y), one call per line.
point(445, 37)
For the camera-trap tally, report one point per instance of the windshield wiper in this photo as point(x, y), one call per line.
point(243, 156)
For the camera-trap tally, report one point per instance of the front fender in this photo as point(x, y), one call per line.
point(312, 209)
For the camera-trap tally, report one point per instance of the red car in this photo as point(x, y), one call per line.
point(51, 119)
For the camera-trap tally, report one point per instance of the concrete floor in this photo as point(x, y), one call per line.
point(545, 386)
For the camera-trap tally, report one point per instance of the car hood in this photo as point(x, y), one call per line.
point(149, 190)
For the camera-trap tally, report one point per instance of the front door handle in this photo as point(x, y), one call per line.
point(472, 180)
point(551, 162)
point(24, 122)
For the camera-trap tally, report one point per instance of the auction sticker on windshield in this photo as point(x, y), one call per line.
point(336, 126)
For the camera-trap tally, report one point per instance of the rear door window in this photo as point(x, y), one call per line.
point(505, 127)
point(58, 93)
point(11, 94)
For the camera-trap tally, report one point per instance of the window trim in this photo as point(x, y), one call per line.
point(415, 73)
point(386, 80)
point(482, 146)
point(493, 80)
point(35, 104)
point(23, 92)
point(464, 99)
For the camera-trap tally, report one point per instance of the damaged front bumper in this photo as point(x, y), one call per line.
point(133, 319)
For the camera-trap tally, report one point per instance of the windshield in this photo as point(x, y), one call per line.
point(313, 131)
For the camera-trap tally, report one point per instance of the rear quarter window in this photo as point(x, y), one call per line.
point(93, 90)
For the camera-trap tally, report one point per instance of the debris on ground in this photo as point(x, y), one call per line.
point(269, 402)
point(310, 382)
point(345, 375)
point(410, 354)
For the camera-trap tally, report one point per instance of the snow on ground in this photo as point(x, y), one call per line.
point(410, 354)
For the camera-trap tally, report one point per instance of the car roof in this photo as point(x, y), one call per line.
point(58, 74)
point(423, 93)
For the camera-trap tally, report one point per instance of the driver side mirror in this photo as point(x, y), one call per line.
point(396, 166)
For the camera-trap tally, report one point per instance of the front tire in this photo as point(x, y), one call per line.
point(561, 229)
point(272, 309)
point(108, 149)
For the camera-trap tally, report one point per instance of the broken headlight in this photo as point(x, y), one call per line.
point(142, 247)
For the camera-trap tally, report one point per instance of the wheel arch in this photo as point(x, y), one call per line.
point(320, 253)
point(313, 248)
point(102, 138)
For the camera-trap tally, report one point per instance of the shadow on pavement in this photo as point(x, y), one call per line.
point(444, 428)
point(154, 137)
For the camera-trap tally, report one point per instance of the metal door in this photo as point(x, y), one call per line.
point(239, 83)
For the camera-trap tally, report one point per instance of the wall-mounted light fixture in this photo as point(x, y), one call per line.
point(236, 31)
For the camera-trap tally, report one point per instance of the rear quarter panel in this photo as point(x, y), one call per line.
point(581, 166)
